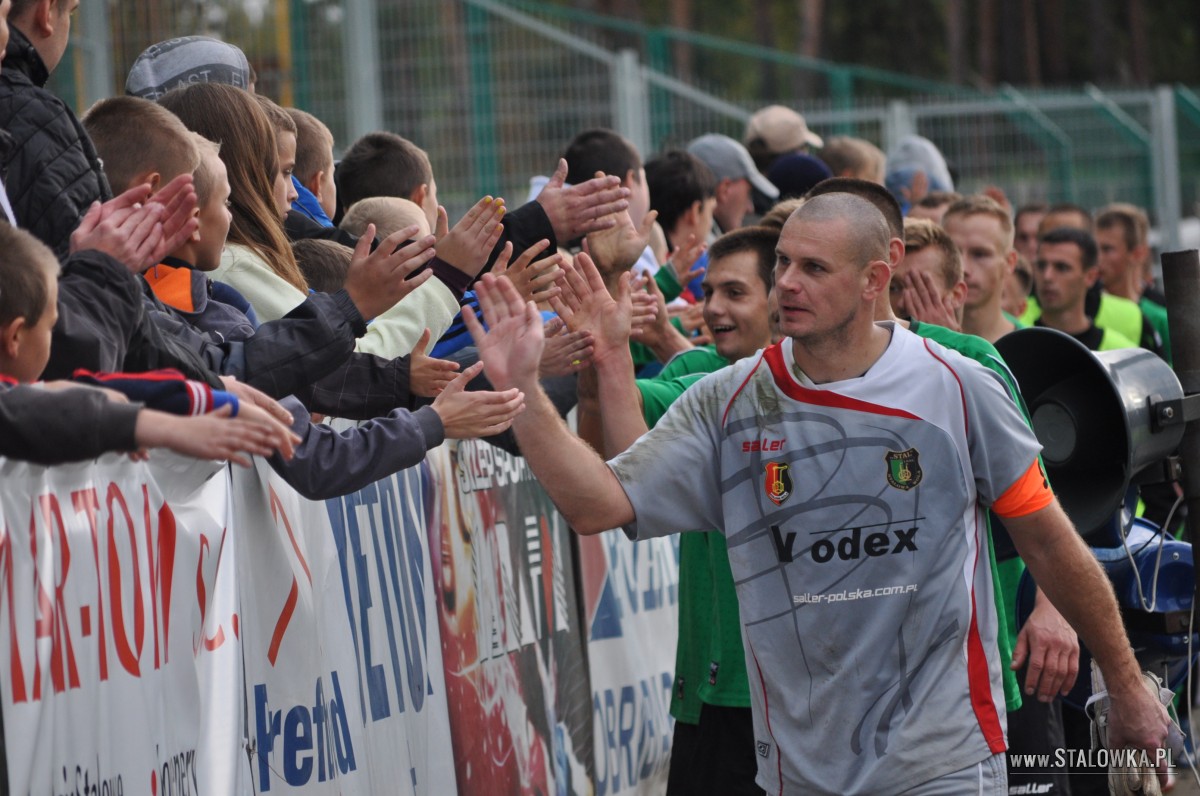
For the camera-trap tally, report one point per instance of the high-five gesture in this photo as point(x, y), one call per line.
point(534, 281)
point(511, 348)
point(579, 209)
point(586, 305)
point(467, 414)
point(617, 248)
point(469, 243)
point(428, 376)
point(378, 279)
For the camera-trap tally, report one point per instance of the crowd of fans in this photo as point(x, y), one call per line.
point(188, 267)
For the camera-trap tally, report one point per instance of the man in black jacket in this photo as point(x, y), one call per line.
point(52, 176)
point(108, 321)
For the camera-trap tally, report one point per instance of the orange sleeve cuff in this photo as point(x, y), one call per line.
point(1030, 493)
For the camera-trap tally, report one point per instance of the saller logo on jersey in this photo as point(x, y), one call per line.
point(778, 482)
point(903, 468)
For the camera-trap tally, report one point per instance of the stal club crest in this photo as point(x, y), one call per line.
point(903, 469)
point(778, 482)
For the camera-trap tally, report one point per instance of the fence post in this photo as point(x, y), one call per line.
point(364, 98)
point(1060, 151)
point(95, 45)
point(483, 112)
point(658, 56)
point(631, 106)
point(898, 123)
point(841, 91)
point(1164, 154)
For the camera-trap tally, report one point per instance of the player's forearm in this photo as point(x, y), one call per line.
point(574, 475)
point(1068, 574)
point(620, 403)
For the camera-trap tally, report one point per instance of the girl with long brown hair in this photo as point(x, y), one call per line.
point(258, 259)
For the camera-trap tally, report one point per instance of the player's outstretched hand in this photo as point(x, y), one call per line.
point(511, 348)
point(579, 209)
point(469, 243)
point(428, 376)
point(469, 414)
point(376, 280)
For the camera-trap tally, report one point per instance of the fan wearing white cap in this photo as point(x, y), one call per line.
point(777, 130)
point(736, 175)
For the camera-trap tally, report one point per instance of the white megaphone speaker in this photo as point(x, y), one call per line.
point(1101, 418)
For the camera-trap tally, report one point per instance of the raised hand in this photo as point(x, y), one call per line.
point(649, 306)
point(683, 260)
point(427, 376)
point(585, 305)
point(579, 209)
point(535, 282)
point(469, 243)
point(511, 348)
point(618, 247)
point(468, 414)
point(178, 200)
point(376, 280)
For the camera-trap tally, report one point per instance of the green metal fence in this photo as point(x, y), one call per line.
point(493, 89)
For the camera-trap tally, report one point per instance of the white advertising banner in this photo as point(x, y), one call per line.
point(343, 666)
point(105, 593)
point(180, 627)
point(631, 612)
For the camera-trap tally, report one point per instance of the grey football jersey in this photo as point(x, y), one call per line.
point(854, 514)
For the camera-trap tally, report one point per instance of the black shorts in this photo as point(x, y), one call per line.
point(715, 756)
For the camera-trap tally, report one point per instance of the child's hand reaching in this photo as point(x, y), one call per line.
point(427, 376)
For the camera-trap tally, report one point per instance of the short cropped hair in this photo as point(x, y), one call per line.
point(868, 232)
point(845, 153)
point(382, 164)
point(1131, 219)
point(23, 270)
point(935, 199)
point(921, 233)
point(134, 135)
point(1083, 218)
point(324, 263)
point(204, 180)
point(778, 215)
point(872, 192)
point(1080, 237)
point(19, 7)
point(1031, 207)
point(759, 241)
point(603, 150)
point(978, 204)
point(314, 145)
point(388, 213)
point(678, 179)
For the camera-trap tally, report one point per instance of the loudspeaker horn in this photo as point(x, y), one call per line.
point(1094, 414)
